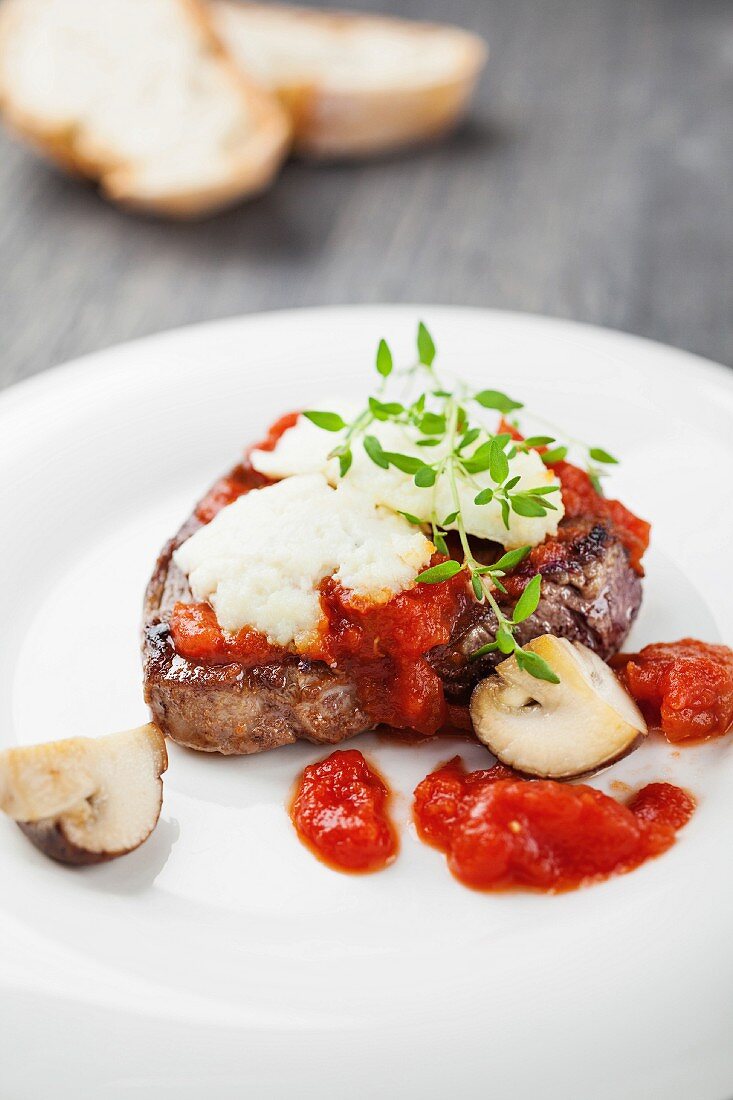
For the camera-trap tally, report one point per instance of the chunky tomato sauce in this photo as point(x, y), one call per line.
point(685, 688)
point(499, 831)
point(340, 813)
point(382, 648)
point(198, 637)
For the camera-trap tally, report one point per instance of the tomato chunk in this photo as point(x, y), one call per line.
point(340, 813)
point(663, 804)
point(685, 687)
point(198, 637)
point(499, 832)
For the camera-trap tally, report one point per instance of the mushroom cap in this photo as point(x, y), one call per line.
point(85, 800)
point(556, 731)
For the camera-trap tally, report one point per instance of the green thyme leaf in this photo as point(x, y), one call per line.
point(329, 421)
point(599, 455)
point(383, 410)
point(557, 454)
point(512, 558)
point(504, 639)
point(543, 490)
point(373, 448)
point(449, 519)
point(414, 520)
point(490, 647)
point(478, 588)
point(484, 497)
point(505, 512)
point(498, 462)
point(429, 442)
point(384, 359)
point(495, 399)
point(439, 543)
point(437, 573)
point(432, 424)
point(528, 506)
point(407, 463)
point(425, 477)
point(536, 666)
point(537, 441)
point(511, 483)
point(345, 459)
point(469, 438)
point(425, 346)
point(527, 603)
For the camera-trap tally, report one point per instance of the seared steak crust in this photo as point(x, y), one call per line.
point(590, 594)
point(229, 708)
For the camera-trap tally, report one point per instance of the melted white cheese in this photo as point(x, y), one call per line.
point(304, 449)
point(260, 560)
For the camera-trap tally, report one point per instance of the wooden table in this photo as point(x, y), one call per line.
point(593, 181)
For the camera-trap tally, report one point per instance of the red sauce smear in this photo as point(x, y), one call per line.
point(685, 688)
point(340, 813)
point(499, 831)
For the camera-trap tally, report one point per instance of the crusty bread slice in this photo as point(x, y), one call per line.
point(354, 84)
point(141, 96)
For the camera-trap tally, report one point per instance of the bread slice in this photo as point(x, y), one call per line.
point(354, 84)
point(140, 96)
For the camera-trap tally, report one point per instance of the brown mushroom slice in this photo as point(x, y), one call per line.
point(86, 800)
point(556, 731)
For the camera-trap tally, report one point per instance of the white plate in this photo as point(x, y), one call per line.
point(222, 959)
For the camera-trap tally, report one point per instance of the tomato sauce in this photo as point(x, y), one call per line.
point(275, 433)
point(227, 489)
point(381, 647)
point(340, 812)
point(499, 831)
point(685, 688)
point(198, 637)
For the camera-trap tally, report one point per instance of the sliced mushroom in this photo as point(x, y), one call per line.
point(556, 731)
point(86, 800)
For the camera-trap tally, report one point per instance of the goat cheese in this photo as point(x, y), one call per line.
point(260, 560)
point(304, 449)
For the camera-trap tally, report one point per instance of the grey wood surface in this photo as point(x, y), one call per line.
point(593, 181)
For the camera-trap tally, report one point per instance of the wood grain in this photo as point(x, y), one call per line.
point(593, 181)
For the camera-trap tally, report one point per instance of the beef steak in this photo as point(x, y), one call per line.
point(590, 593)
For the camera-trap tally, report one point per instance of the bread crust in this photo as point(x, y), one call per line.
point(331, 123)
point(252, 168)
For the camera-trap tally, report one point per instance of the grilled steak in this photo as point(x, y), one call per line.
point(590, 593)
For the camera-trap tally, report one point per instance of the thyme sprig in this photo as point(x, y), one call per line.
point(445, 418)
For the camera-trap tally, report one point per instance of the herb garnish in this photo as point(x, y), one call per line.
point(439, 416)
